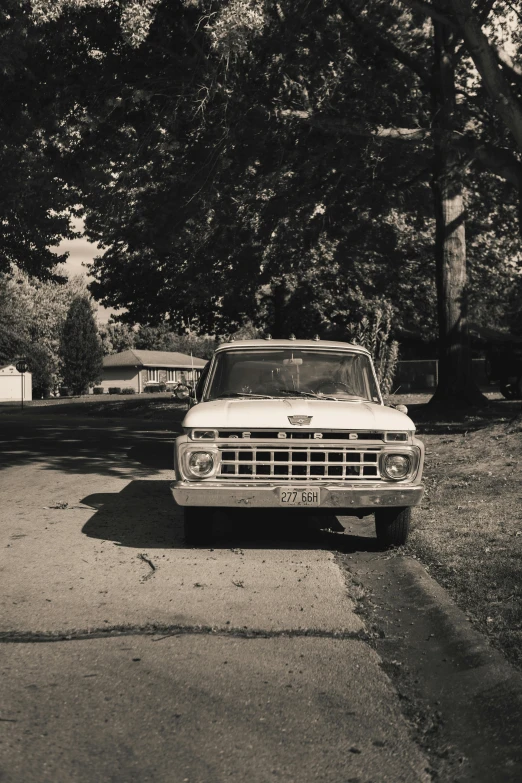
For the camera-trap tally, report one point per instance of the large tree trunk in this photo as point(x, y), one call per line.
point(456, 384)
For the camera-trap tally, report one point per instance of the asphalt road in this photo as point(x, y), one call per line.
point(128, 657)
point(275, 655)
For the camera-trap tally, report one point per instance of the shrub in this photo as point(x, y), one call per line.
point(64, 391)
point(114, 390)
point(41, 393)
point(98, 390)
point(155, 387)
point(128, 390)
point(374, 333)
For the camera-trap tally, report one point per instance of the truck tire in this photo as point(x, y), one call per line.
point(392, 526)
point(197, 523)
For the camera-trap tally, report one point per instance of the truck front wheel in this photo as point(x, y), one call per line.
point(392, 526)
point(197, 523)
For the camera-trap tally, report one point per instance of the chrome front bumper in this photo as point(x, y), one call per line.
point(344, 496)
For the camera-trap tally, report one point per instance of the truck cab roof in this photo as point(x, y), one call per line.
point(288, 343)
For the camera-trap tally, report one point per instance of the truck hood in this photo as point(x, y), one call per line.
point(273, 414)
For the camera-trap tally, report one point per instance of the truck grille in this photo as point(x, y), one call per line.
point(299, 464)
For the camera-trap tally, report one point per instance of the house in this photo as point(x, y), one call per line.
point(13, 383)
point(140, 369)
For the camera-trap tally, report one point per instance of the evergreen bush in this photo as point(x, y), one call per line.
point(114, 390)
point(80, 347)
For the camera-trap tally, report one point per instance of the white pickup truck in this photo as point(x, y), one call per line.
point(296, 424)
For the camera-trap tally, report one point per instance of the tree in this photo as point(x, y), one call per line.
point(451, 20)
point(162, 338)
point(501, 73)
point(80, 348)
point(243, 223)
point(261, 160)
point(32, 313)
point(455, 130)
point(116, 337)
point(13, 340)
point(34, 198)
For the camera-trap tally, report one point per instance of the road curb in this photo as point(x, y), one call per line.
point(462, 696)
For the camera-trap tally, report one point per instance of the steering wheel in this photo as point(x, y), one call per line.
point(330, 387)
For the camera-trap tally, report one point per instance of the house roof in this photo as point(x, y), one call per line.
point(137, 358)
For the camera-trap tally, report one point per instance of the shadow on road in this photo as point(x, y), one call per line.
point(104, 448)
point(144, 515)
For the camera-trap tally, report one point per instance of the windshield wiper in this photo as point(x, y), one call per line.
point(243, 394)
point(312, 394)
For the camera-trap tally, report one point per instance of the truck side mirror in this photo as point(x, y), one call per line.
point(182, 393)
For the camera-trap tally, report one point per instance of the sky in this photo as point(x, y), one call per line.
point(82, 252)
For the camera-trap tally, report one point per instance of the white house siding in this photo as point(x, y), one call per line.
point(169, 375)
point(120, 376)
point(11, 384)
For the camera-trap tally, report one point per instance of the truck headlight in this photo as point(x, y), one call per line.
point(200, 463)
point(396, 466)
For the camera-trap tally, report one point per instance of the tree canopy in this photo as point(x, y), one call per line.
point(34, 199)
point(278, 161)
point(32, 313)
point(260, 159)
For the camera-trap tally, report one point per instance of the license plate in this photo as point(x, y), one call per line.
point(297, 496)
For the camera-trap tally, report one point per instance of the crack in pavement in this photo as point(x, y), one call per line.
point(166, 631)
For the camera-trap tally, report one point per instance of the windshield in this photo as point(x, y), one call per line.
point(284, 372)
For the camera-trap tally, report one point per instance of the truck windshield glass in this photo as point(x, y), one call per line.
point(283, 372)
